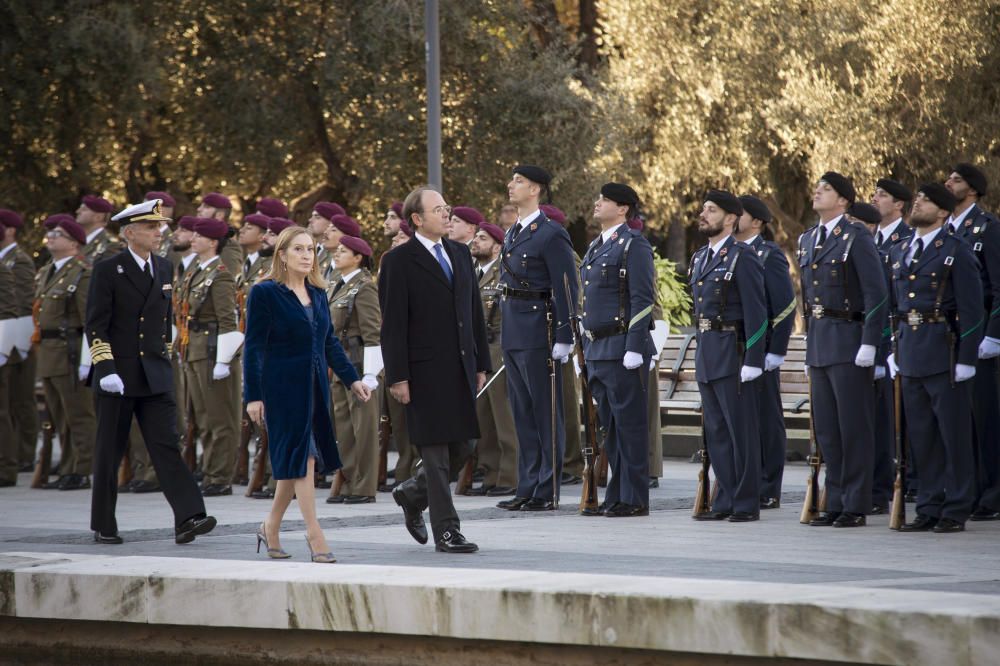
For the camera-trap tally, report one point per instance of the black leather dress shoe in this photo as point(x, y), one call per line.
point(538, 504)
point(622, 510)
point(386, 487)
point(513, 504)
point(921, 523)
point(192, 527)
point(479, 491)
point(501, 491)
point(947, 526)
point(453, 542)
point(414, 519)
point(825, 519)
point(878, 510)
point(110, 539)
point(654, 482)
point(599, 511)
point(712, 515)
point(336, 499)
point(848, 519)
point(216, 490)
point(568, 479)
point(54, 485)
point(143, 487)
point(75, 482)
point(985, 513)
point(770, 503)
point(263, 493)
point(359, 499)
point(743, 517)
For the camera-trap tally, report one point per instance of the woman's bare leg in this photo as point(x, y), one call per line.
point(283, 494)
point(305, 493)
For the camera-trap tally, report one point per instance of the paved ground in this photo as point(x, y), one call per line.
point(667, 543)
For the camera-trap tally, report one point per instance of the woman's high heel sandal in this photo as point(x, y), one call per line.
point(319, 558)
point(273, 553)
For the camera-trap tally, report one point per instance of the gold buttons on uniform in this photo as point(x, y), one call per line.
point(913, 277)
point(912, 295)
point(815, 266)
point(142, 319)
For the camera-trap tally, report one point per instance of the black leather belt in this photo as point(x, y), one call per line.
point(914, 318)
point(196, 326)
point(820, 312)
point(716, 325)
point(526, 294)
point(618, 328)
point(59, 333)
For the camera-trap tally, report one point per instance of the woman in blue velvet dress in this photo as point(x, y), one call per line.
point(289, 346)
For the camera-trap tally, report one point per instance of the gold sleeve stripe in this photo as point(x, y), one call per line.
point(100, 351)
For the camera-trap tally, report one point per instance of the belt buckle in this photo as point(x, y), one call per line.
point(704, 325)
point(914, 318)
point(817, 311)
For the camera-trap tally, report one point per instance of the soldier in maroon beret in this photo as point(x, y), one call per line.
point(272, 207)
point(218, 206)
point(93, 215)
point(167, 204)
point(319, 223)
point(553, 213)
point(393, 217)
point(465, 222)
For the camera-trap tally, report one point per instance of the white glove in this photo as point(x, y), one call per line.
point(220, 371)
point(3, 360)
point(964, 372)
point(652, 363)
point(748, 373)
point(561, 350)
point(893, 368)
point(989, 348)
point(632, 360)
point(865, 357)
point(113, 384)
point(82, 372)
point(370, 381)
point(772, 362)
point(576, 366)
point(879, 372)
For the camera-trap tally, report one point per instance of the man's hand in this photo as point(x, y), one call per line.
point(773, 362)
point(401, 392)
point(255, 410)
point(632, 360)
point(480, 381)
point(113, 384)
point(893, 368)
point(561, 350)
point(82, 372)
point(361, 391)
point(865, 357)
point(371, 381)
point(964, 372)
point(220, 371)
point(879, 372)
point(989, 348)
point(748, 373)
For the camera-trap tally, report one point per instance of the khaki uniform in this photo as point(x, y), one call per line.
point(326, 268)
point(497, 447)
point(102, 246)
point(232, 256)
point(8, 444)
point(209, 297)
point(61, 298)
point(21, 368)
point(356, 319)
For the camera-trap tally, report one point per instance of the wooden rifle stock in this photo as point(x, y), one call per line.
point(701, 494)
point(592, 452)
point(814, 503)
point(465, 476)
point(259, 464)
point(384, 433)
point(43, 467)
point(338, 483)
point(125, 472)
point(243, 452)
point(898, 516)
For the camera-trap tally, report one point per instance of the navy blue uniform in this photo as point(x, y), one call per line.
point(981, 231)
point(617, 318)
point(532, 267)
point(845, 305)
point(780, 296)
point(938, 305)
point(731, 334)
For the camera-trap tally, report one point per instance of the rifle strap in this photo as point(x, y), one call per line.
point(727, 279)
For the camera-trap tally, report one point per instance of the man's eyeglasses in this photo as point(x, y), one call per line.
point(442, 210)
point(55, 233)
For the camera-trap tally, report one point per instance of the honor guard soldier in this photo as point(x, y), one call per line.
point(256, 265)
point(981, 230)
point(128, 324)
point(393, 218)
point(208, 299)
point(937, 296)
point(18, 452)
point(780, 297)
point(497, 447)
point(340, 226)
point(843, 286)
point(167, 204)
point(318, 225)
point(357, 320)
point(93, 215)
point(271, 207)
point(63, 361)
point(618, 284)
point(535, 262)
point(730, 307)
point(218, 207)
point(465, 221)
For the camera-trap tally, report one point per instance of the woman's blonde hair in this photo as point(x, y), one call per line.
point(279, 270)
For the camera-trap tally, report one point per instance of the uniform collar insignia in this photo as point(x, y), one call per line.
point(614, 236)
point(968, 223)
point(938, 243)
point(723, 251)
point(836, 231)
point(975, 230)
point(534, 226)
point(906, 245)
point(120, 269)
point(894, 237)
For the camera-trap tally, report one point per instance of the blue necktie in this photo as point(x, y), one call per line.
point(444, 262)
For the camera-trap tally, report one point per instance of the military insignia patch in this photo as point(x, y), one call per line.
point(621, 240)
point(968, 223)
point(906, 245)
point(894, 237)
point(896, 265)
point(975, 230)
point(168, 287)
point(836, 231)
point(534, 226)
point(938, 243)
point(614, 236)
point(120, 269)
point(723, 251)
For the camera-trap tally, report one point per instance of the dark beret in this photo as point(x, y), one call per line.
point(865, 212)
point(217, 200)
point(534, 173)
point(327, 209)
point(405, 227)
point(939, 196)
point(356, 245)
point(553, 213)
point(842, 185)
point(258, 220)
point(278, 224)
point(187, 222)
point(635, 223)
point(758, 209)
point(727, 201)
point(973, 176)
point(495, 232)
point(468, 214)
point(211, 228)
point(52, 221)
point(9, 218)
point(895, 188)
point(397, 208)
point(620, 194)
point(272, 207)
point(73, 228)
point(164, 198)
point(97, 204)
point(347, 225)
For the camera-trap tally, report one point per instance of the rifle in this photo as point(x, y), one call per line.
point(43, 467)
point(553, 405)
point(243, 452)
point(338, 482)
point(701, 494)
point(384, 434)
point(464, 483)
point(898, 516)
point(593, 452)
point(125, 473)
point(813, 503)
point(188, 452)
point(602, 468)
point(259, 463)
